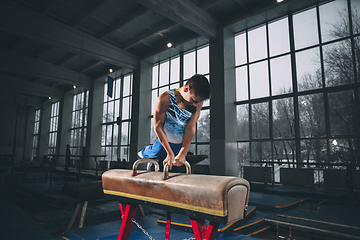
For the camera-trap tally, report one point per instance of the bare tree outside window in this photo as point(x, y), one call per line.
point(321, 116)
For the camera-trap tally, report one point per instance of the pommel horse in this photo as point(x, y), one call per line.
point(219, 199)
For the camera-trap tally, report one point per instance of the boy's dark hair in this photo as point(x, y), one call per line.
point(200, 86)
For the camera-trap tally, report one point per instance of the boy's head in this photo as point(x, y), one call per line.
point(199, 86)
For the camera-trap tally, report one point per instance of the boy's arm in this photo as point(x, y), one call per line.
point(159, 119)
point(189, 133)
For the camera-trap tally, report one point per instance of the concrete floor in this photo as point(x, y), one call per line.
point(38, 210)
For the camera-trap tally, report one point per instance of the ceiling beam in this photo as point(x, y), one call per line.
point(17, 85)
point(90, 65)
point(122, 21)
point(14, 98)
point(186, 13)
point(20, 63)
point(158, 30)
point(90, 9)
point(27, 23)
point(67, 58)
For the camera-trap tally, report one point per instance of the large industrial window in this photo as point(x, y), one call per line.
point(54, 122)
point(117, 119)
point(297, 81)
point(36, 135)
point(166, 75)
point(79, 122)
point(197, 61)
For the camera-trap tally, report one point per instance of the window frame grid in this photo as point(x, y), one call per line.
point(116, 140)
point(78, 130)
point(36, 134)
point(54, 125)
point(194, 143)
point(296, 94)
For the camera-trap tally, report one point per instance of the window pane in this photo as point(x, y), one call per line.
point(342, 113)
point(175, 70)
point(154, 100)
point(117, 88)
point(116, 110)
point(308, 69)
point(164, 73)
point(105, 115)
point(163, 89)
point(281, 77)
point(283, 118)
point(242, 113)
point(103, 151)
point(279, 37)
point(261, 151)
point(52, 110)
point(110, 111)
point(108, 153)
point(124, 133)
point(206, 103)
point(35, 138)
point(84, 137)
point(103, 135)
point(203, 60)
point(127, 85)
point(155, 76)
point(54, 138)
point(355, 12)
point(73, 138)
point(342, 150)
point(51, 143)
point(129, 132)
point(334, 20)
point(284, 151)
point(313, 150)
point(240, 49)
point(257, 44)
point(192, 148)
point(243, 155)
point(109, 135)
point(260, 120)
point(189, 65)
point(175, 86)
point(86, 116)
point(338, 64)
point(36, 128)
point(241, 84)
point(259, 80)
point(311, 115)
point(204, 150)
point(125, 109)
point(78, 118)
point(305, 29)
point(86, 99)
point(152, 133)
point(203, 126)
point(52, 124)
point(37, 115)
point(115, 134)
point(114, 154)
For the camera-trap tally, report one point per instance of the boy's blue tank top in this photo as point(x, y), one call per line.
point(176, 120)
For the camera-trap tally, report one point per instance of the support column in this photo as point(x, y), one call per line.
point(223, 145)
point(135, 109)
point(44, 129)
point(143, 101)
point(96, 101)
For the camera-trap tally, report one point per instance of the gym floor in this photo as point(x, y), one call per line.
point(39, 210)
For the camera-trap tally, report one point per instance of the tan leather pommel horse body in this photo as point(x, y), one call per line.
point(220, 199)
